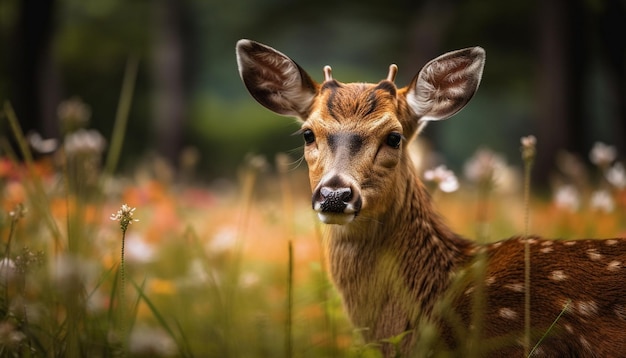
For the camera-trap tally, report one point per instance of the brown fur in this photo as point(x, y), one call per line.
point(398, 267)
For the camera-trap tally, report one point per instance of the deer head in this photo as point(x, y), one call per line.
point(356, 134)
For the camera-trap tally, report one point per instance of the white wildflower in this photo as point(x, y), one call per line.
point(10, 337)
point(151, 342)
point(567, 197)
point(602, 155)
point(249, 280)
point(616, 176)
point(74, 113)
point(71, 273)
point(223, 241)
point(7, 268)
point(528, 141)
point(96, 302)
point(529, 144)
point(41, 145)
point(138, 250)
point(601, 200)
point(197, 273)
point(443, 177)
point(18, 212)
point(124, 216)
point(84, 141)
point(482, 166)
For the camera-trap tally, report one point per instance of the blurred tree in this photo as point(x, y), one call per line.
point(171, 85)
point(612, 27)
point(34, 86)
point(575, 38)
point(561, 60)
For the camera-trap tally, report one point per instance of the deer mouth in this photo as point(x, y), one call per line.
point(335, 218)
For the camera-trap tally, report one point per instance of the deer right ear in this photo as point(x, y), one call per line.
point(275, 80)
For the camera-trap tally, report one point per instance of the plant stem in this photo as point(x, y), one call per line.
point(549, 328)
point(528, 153)
point(526, 288)
point(122, 296)
point(121, 117)
point(36, 192)
point(289, 325)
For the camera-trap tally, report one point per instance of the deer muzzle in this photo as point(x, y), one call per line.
point(336, 201)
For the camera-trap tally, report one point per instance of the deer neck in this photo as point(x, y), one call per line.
point(398, 259)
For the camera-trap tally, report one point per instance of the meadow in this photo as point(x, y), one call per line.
point(151, 263)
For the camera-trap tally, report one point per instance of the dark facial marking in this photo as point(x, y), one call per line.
point(372, 102)
point(353, 142)
point(386, 86)
point(331, 86)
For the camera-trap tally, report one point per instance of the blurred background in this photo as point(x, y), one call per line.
point(555, 69)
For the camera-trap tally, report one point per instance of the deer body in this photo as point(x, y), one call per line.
point(398, 267)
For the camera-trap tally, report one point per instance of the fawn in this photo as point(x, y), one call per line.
point(399, 269)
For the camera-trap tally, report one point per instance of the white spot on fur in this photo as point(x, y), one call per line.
point(495, 245)
point(586, 308)
point(569, 243)
point(490, 280)
point(507, 313)
point(530, 241)
point(594, 254)
point(558, 275)
point(469, 290)
point(614, 265)
point(611, 242)
point(516, 287)
point(547, 243)
point(568, 327)
point(585, 343)
point(546, 249)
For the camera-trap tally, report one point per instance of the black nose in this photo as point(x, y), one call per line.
point(334, 200)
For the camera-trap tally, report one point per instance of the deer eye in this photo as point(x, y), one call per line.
point(308, 136)
point(394, 139)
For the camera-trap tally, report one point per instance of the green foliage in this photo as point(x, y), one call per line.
point(228, 130)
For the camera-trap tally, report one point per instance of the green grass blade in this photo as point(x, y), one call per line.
point(121, 117)
point(289, 323)
point(135, 308)
point(550, 328)
point(183, 348)
point(36, 192)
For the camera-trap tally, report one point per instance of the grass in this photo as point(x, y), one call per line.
point(207, 272)
point(199, 273)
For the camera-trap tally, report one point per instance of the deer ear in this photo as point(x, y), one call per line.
point(446, 84)
point(275, 80)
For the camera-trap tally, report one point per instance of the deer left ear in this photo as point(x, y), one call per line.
point(446, 84)
point(275, 80)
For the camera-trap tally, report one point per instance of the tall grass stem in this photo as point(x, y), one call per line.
point(282, 164)
point(37, 191)
point(121, 117)
point(122, 302)
point(565, 307)
point(528, 156)
point(289, 324)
